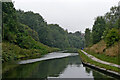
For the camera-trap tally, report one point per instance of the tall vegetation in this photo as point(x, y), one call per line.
point(27, 35)
point(9, 22)
point(76, 40)
point(87, 37)
point(112, 37)
point(19, 40)
point(98, 29)
point(106, 27)
point(50, 34)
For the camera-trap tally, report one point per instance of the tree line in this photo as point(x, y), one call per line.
point(19, 41)
point(105, 28)
point(25, 29)
point(50, 34)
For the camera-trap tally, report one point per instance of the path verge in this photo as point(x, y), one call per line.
point(88, 60)
point(100, 61)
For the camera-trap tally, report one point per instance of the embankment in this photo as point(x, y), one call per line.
point(12, 52)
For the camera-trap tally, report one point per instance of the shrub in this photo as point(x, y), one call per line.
point(112, 37)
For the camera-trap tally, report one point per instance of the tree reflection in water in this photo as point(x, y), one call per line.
point(54, 68)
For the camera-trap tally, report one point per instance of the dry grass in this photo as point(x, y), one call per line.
point(113, 50)
point(100, 47)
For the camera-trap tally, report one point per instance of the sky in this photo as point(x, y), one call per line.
point(73, 15)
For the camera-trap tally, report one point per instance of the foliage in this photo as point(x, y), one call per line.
point(12, 52)
point(87, 37)
point(112, 37)
point(24, 29)
point(106, 27)
point(75, 40)
point(50, 34)
point(28, 32)
point(9, 21)
point(71, 50)
point(111, 34)
point(112, 17)
point(53, 36)
point(98, 29)
point(19, 40)
point(33, 20)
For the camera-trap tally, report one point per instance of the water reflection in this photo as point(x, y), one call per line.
point(69, 67)
point(98, 75)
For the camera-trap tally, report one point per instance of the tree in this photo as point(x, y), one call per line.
point(76, 40)
point(49, 34)
point(87, 37)
point(112, 17)
point(112, 37)
point(9, 21)
point(98, 29)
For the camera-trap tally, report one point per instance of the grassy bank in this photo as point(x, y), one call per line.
point(12, 52)
point(86, 59)
point(100, 51)
point(104, 57)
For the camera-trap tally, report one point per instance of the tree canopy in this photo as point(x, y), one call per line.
point(50, 34)
point(27, 28)
point(106, 27)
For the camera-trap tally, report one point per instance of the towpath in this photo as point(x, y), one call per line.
point(100, 61)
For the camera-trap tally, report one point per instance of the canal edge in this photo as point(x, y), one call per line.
point(103, 70)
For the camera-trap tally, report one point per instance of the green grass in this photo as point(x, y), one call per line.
point(86, 59)
point(12, 52)
point(104, 57)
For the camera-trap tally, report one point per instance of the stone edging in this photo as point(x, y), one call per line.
point(103, 70)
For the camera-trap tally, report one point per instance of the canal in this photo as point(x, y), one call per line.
point(53, 65)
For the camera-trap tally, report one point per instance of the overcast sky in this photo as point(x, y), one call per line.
point(73, 15)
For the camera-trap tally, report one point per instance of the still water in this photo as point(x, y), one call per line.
point(66, 65)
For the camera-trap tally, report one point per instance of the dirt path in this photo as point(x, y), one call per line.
point(100, 61)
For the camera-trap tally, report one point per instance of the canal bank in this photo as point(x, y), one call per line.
point(106, 67)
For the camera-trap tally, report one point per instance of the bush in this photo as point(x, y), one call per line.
point(112, 37)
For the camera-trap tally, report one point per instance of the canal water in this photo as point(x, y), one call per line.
point(53, 65)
